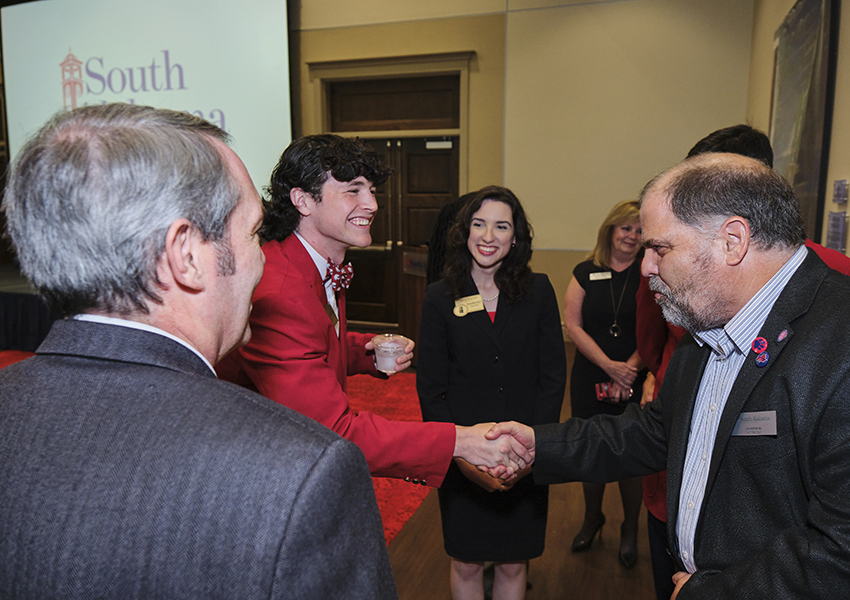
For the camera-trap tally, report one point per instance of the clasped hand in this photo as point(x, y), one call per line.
point(501, 450)
point(622, 373)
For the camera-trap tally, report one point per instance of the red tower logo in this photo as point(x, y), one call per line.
point(72, 80)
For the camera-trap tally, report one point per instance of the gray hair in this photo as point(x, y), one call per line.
point(91, 196)
point(708, 188)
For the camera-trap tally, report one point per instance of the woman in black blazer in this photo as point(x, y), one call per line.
point(491, 349)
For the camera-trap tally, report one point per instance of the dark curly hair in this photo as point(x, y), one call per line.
point(513, 277)
point(307, 163)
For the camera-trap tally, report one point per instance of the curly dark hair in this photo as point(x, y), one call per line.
point(307, 163)
point(513, 277)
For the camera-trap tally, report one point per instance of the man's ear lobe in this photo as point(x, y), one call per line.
point(301, 200)
point(735, 234)
point(183, 251)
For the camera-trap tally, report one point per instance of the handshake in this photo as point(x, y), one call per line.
point(498, 449)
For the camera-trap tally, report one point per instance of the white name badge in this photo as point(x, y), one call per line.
point(756, 423)
point(600, 276)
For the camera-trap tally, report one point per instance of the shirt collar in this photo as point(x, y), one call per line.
point(143, 327)
point(743, 328)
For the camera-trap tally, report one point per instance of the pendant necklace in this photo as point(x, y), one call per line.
point(615, 330)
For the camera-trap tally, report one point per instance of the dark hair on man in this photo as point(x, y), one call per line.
point(307, 163)
point(738, 139)
point(513, 277)
point(91, 196)
point(709, 188)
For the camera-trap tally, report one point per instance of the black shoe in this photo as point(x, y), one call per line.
point(628, 558)
point(581, 543)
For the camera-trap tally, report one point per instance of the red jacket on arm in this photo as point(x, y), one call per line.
point(295, 358)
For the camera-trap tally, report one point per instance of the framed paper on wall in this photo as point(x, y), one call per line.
point(805, 52)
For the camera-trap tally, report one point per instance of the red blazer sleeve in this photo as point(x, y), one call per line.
point(295, 358)
point(651, 327)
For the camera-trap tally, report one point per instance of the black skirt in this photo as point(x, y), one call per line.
point(499, 526)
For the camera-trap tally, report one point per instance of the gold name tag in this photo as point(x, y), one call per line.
point(600, 276)
point(469, 304)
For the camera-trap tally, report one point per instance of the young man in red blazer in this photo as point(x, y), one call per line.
point(322, 202)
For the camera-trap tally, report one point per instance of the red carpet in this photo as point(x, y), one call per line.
point(394, 399)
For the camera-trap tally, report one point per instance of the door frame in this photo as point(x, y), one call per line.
point(322, 73)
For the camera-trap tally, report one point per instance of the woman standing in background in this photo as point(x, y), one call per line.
point(491, 349)
point(599, 314)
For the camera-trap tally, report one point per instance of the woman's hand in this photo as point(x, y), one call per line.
point(621, 373)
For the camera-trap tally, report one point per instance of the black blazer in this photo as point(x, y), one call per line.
point(471, 370)
point(775, 520)
point(130, 471)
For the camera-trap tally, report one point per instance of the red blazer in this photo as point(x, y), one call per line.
point(295, 358)
point(656, 341)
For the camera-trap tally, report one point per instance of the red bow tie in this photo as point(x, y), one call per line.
point(339, 276)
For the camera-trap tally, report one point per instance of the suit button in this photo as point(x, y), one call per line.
point(501, 389)
point(495, 360)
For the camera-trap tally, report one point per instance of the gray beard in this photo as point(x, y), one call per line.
point(681, 314)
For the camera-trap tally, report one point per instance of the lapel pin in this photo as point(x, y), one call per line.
point(759, 345)
point(782, 335)
point(761, 359)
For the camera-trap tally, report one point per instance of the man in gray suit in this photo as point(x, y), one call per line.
point(753, 419)
point(127, 470)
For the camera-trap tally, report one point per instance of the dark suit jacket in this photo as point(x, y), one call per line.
point(775, 520)
point(130, 471)
point(295, 358)
point(472, 370)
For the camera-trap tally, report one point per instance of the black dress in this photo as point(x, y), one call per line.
point(471, 370)
point(597, 316)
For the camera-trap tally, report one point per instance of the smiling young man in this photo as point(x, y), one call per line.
point(321, 203)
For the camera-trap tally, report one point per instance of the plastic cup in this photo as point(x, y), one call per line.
point(388, 347)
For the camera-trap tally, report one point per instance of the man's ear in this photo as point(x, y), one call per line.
point(301, 200)
point(735, 237)
point(183, 253)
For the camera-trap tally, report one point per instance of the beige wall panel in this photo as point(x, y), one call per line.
point(769, 15)
point(601, 97)
point(484, 35)
point(558, 265)
point(324, 14)
point(532, 4)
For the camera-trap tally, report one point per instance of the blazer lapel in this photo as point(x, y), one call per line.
point(503, 314)
point(793, 302)
point(481, 318)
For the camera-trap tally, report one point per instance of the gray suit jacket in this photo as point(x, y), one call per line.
point(127, 470)
point(775, 520)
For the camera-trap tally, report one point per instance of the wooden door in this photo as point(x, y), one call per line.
point(426, 177)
